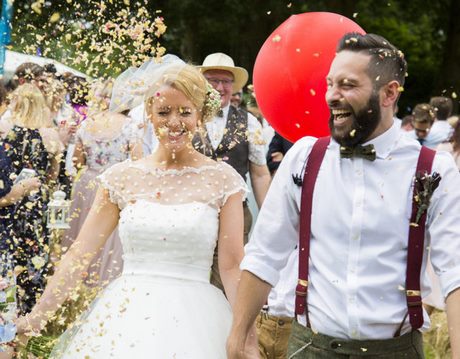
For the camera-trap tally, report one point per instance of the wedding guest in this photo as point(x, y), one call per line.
point(5, 124)
point(11, 193)
point(103, 139)
point(28, 72)
point(362, 259)
point(276, 151)
point(406, 123)
point(31, 144)
point(422, 122)
point(442, 130)
point(237, 98)
point(453, 146)
point(233, 136)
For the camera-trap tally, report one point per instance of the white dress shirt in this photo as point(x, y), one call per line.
point(280, 301)
point(359, 235)
point(441, 131)
point(216, 128)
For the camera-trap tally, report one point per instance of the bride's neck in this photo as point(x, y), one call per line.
point(174, 159)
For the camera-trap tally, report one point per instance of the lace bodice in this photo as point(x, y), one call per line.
point(130, 181)
point(101, 152)
point(169, 220)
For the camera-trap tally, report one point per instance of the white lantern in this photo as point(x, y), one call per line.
point(58, 211)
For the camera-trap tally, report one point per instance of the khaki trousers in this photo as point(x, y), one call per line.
point(215, 275)
point(304, 344)
point(273, 334)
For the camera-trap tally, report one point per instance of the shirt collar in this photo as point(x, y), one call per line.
point(386, 142)
point(225, 111)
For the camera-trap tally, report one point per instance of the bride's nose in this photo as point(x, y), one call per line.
point(174, 122)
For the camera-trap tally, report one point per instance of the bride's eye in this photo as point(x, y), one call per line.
point(185, 111)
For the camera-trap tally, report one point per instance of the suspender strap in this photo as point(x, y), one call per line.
point(309, 179)
point(415, 247)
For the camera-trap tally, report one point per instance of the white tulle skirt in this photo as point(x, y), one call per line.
point(144, 316)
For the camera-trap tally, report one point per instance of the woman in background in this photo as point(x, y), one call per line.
point(103, 139)
point(32, 144)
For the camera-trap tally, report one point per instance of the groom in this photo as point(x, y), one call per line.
point(356, 297)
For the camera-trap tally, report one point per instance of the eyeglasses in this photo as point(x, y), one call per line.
point(215, 82)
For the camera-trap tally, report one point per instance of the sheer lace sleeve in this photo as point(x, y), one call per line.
point(114, 181)
point(232, 183)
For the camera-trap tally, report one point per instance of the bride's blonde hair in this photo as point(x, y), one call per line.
point(191, 82)
point(29, 108)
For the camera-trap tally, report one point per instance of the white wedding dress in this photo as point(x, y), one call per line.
point(162, 306)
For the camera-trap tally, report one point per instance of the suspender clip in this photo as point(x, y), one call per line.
point(303, 282)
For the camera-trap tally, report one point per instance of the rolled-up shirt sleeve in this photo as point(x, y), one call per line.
point(256, 141)
point(444, 224)
point(276, 231)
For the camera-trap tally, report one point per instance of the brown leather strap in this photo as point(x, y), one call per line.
point(416, 246)
point(309, 179)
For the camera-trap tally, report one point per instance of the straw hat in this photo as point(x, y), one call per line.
point(221, 61)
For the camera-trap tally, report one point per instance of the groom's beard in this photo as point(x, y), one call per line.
point(363, 125)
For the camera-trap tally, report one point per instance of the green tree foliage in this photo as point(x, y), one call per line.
point(427, 32)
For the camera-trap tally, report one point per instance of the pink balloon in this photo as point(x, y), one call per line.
point(290, 72)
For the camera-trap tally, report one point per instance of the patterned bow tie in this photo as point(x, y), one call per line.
point(220, 113)
point(367, 152)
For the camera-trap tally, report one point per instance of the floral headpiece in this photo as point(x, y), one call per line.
point(212, 103)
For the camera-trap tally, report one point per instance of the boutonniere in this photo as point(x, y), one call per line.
point(424, 186)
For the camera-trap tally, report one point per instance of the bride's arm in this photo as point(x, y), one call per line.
point(230, 244)
point(230, 254)
point(100, 223)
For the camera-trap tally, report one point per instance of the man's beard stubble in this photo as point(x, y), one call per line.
point(364, 124)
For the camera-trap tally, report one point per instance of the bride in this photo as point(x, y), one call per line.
point(172, 208)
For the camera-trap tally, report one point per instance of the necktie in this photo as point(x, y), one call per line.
point(421, 140)
point(220, 113)
point(367, 152)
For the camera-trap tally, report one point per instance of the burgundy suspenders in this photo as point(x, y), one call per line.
point(415, 244)
point(415, 248)
point(309, 179)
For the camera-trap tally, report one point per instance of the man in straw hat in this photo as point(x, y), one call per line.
point(234, 135)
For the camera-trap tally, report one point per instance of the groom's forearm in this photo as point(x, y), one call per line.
point(251, 296)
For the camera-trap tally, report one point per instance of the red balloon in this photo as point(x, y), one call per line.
point(290, 72)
